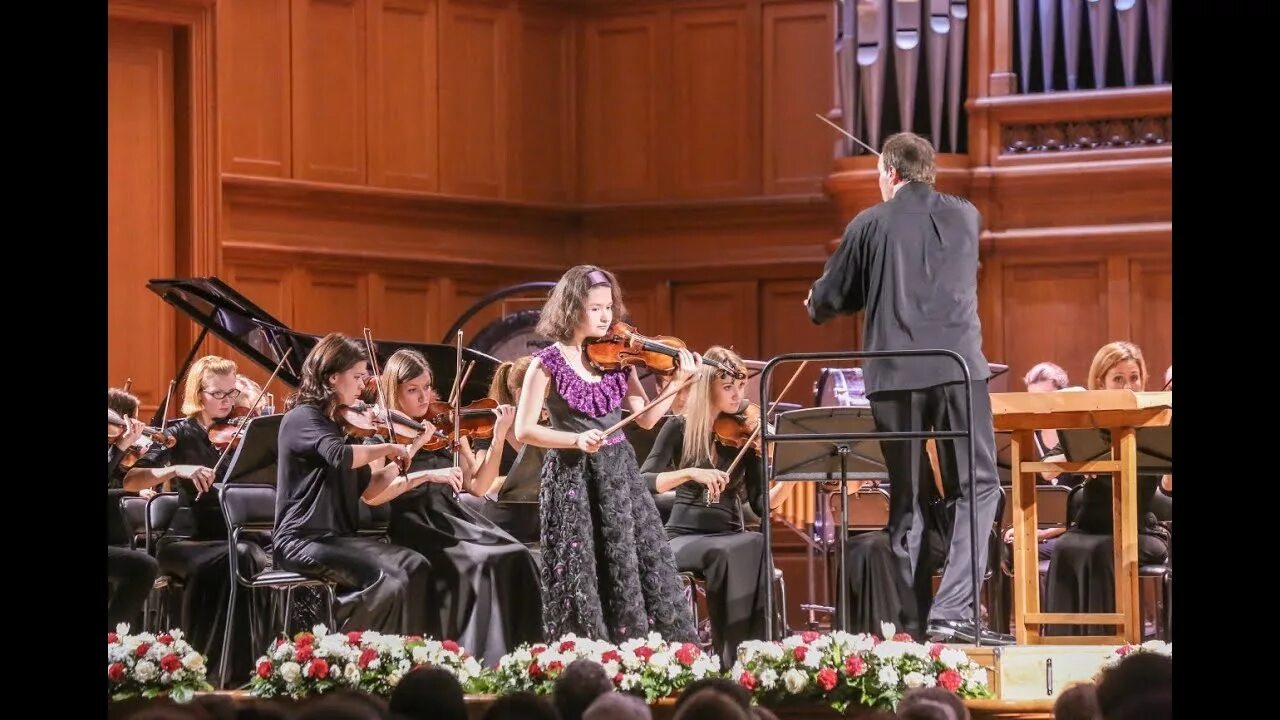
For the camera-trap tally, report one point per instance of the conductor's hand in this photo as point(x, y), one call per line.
point(590, 441)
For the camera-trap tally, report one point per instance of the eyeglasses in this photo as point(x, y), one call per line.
point(222, 394)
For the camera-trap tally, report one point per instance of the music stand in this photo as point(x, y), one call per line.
point(524, 479)
point(255, 457)
point(1155, 447)
point(822, 460)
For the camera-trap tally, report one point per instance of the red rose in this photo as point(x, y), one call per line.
point(827, 678)
point(319, 668)
point(644, 652)
point(566, 646)
point(170, 662)
point(304, 638)
point(902, 637)
point(165, 639)
point(687, 653)
point(367, 657)
point(853, 666)
point(1122, 651)
point(304, 653)
point(264, 669)
point(608, 655)
point(935, 651)
point(112, 638)
point(450, 645)
point(555, 666)
point(413, 638)
point(353, 637)
point(280, 641)
point(747, 680)
point(142, 649)
point(800, 652)
point(115, 672)
point(809, 636)
point(617, 679)
point(950, 679)
point(535, 670)
point(538, 650)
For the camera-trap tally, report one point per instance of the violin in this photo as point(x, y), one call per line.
point(623, 347)
point(361, 420)
point(475, 421)
point(735, 430)
point(225, 433)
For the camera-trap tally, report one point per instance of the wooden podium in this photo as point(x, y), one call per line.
point(1121, 412)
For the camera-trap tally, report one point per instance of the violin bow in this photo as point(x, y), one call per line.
point(742, 453)
point(847, 134)
point(243, 423)
point(671, 390)
point(370, 348)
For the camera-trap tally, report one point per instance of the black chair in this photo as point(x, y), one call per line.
point(253, 508)
point(147, 520)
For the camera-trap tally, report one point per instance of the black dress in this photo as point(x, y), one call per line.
point(608, 572)
point(1082, 567)
point(515, 508)
point(711, 540)
point(484, 583)
point(380, 586)
point(130, 573)
point(194, 553)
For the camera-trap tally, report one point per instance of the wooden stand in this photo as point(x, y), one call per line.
point(1121, 412)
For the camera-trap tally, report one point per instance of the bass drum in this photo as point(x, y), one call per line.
point(511, 337)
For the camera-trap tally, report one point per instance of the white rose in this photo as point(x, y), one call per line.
point(887, 630)
point(374, 664)
point(630, 682)
point(630, 645)
point(319, 630)
point(701, 667)
point(351, 673)
point(194, 661)
point(144, 671)
point(404, 666)
point(116, 653)
point(393, 679)
point(472, 666)
point(122, 629)
point(768, 679)
point(611, 668)
point(420, 655)
point(284, 651)
point(889, 649)
point(659, 660)
point(165, 678)
point(523, 656)
point(673, 671)
point(794, 641)
point(930, 681)
point(795, 680)
point(888, 675)
point(813, 659)
point(952, 658)
point(913, 680)
point(290, 672)
point(975, 674)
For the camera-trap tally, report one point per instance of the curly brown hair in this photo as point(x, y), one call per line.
point(335, 353)
point(563, 310)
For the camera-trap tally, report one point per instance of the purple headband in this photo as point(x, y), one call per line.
point(596, 277)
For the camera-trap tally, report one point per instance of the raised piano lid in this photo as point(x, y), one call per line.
point(258, 336)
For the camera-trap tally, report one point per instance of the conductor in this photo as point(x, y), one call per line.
point(911, 263)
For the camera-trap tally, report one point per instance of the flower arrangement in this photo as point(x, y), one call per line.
point(150, 666)
point(843, 669)
point(648, 666)
point(1158, 647)
point(319, 661)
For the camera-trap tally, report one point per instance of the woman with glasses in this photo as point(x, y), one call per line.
point(194, 551)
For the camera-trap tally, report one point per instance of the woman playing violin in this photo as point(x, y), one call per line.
point(194, 550)
point(485, 582)
point(706, 528)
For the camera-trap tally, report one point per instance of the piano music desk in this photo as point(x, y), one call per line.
point(1121, 412)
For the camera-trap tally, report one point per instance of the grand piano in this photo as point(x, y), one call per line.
point(216, 307)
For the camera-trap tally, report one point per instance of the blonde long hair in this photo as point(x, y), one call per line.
point(699, 416)
point(200, 369)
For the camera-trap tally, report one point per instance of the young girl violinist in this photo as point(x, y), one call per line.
point(706, 525)
point(607, 572)
point(194, 551)
point(484, 582)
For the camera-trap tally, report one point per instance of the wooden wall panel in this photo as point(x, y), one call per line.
point(332, 300)
point(621, 68)
point(797, 82)
point(474, 94)
point(329, 101)
point(717, 313)
point(1055, 311)
point(403, 97)
point(713, 99)
point(405, 307)
point(141, 240)
point(271, 286)
point(1151, 314)
point(254, 86)
point(546, 124)
point(785, 328)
